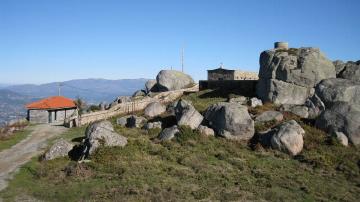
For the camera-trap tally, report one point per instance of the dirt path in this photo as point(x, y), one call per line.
point(11, 159)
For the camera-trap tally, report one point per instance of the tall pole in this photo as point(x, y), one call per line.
point(182, 59)
point(59, 88)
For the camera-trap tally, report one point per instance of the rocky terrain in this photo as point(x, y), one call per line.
point(298, 140)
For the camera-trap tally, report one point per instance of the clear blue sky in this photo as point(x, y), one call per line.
point(43, 41)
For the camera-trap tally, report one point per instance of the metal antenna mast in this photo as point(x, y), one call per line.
point(59, 88)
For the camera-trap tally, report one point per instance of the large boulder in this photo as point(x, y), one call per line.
point(168, 133)
point(230, 120)
point(168, 80)
point(150, 86)
point(61, 148)
point(351, 71)
point(154, 109)
point(187, 115)
point(288, 76)
point(338, 90)
point(288, 137)
point(341, 117)
point(102, 133)
point(280, 92)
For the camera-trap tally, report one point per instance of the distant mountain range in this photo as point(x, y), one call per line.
point(93, 91)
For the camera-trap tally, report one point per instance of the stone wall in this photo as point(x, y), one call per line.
point(241, 75)
point(243, 87)
point(38, 116)
point(134, 106)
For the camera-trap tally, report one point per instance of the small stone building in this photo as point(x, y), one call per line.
point(51, 110)
point(221, 74)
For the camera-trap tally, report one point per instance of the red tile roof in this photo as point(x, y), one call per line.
point(54, 102)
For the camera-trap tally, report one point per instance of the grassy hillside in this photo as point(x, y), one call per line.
point(193, 167)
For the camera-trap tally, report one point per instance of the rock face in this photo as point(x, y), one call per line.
point(315, 106)
point(102, 133)
point(288, 76)
point(288, 137)
point(168, 80)
point(187, 115)
point(61, 148)
point(230, 120)
point(204, 130)
point(351, 71)
point(154, 109)
point(152, 125)
point(280, 92)
point(338, 90)
point(168, 133)
point(269, 116)
point(150, 86)
point(342, 117)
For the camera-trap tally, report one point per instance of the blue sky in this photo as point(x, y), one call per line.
point(48, 40)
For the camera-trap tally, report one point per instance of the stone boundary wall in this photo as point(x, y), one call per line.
point(134, 106)
point(243, 87)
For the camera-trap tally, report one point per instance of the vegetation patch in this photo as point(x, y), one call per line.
point(8, 141)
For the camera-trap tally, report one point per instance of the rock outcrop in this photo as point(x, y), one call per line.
point(338, 90)
point(102, 133)
point(60, 148)
point(351, 71)
point(187, 115)
point(154, 109)
point(230, 120)
point(342, 117)
point(288, 137)
point(168, 80)
point(289, 76)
